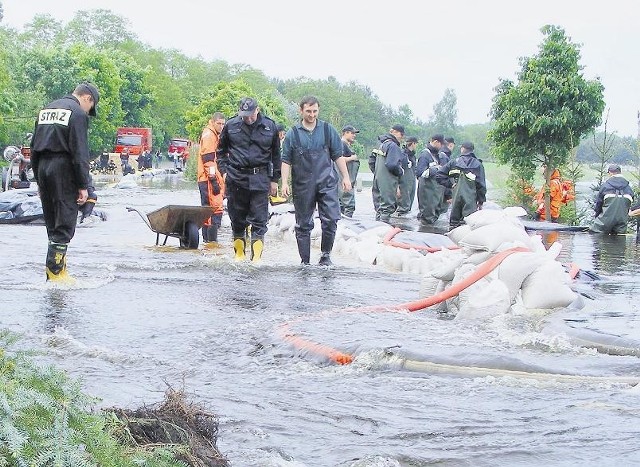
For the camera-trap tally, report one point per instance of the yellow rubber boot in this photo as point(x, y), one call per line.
point(256, 250)
point(56, 265)
point(238, 248)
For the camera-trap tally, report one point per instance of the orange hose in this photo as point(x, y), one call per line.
point(342, 358)
point(387, 240)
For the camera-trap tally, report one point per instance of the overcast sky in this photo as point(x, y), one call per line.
point(406, 52)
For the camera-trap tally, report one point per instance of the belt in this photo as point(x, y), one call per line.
point(252, 170)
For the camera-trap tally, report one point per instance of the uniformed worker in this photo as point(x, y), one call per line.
point(348, 198)
point(612, 203)
point(386, 162)
point(430, 192)
point(210, 180)
point(60, 161)
point(465, 175)
point(310, 148)
point(249, 157)
point(407, 183)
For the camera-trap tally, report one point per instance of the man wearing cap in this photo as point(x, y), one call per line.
point(430, 192)
point(386, 163)
point(407, 183)
point(249, 157)
point(310, 150)
point(60, 162)
point(612, 204)
point(465, 175)
point(348, 198)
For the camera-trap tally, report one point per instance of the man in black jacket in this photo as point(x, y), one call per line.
point(60, 162)
point(465, 175)
point(249, 158)
point(386, 163)
point(612, 204)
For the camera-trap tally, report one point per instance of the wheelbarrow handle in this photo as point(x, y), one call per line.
point(144, 217)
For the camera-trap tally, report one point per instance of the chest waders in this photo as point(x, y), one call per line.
point(430, 198)
point(615, 213)
point(407, 187)
point(314, 181)
point(464, 200)
point(348, 198)
point(385, 186)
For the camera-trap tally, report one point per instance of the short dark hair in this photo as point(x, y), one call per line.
point(309, 100)
point(438, 137)
point(450, 139)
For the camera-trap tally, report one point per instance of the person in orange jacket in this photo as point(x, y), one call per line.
point(210, 180)
point(556, 196)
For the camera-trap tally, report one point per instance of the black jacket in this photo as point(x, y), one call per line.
point(464, 164)
point(61, 130)
point(394, 156)
point(615, 185)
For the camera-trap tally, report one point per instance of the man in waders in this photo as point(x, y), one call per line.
point(386, 162)
point(249, 157)
point(465, 175)
point(348, 198)
point(210, 180)
point(612, 204)
point(60, 162)
point(407, 183)
point(430, 192)
point(310, 148)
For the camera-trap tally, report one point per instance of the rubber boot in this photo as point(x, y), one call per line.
point(212, 233)
point(304, 248)
point(205, 233)
point(256, 250)
point(56, 264)
point(326, 245)
point(238, 247)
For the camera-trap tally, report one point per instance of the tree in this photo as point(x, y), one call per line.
point(445, 114)
point(539, 119)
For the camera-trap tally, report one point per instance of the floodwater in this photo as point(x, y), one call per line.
point(145, 317)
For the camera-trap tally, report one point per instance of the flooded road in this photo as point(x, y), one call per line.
point(145, 317)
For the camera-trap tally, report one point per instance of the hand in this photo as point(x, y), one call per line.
point(346, 184)
point(83, 194)
point(273, 189)
point(285, 190)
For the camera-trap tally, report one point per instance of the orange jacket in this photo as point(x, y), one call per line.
point(555, 194)
point(207, 164)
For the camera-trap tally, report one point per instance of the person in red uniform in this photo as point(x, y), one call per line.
point(60, 161)
point(210, 180)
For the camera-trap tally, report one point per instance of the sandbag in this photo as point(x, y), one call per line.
point(515, 268)
point(547, 287)
point(491, 237)
point(484, 299)
point(489, 216)
point(458, 233)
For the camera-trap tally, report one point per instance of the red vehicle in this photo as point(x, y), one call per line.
point(134, 140)
point(179, 150)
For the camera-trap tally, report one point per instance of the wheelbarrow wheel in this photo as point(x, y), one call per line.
point(191, 237)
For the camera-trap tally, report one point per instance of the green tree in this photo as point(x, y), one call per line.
point(539, 119)
point(445, 114)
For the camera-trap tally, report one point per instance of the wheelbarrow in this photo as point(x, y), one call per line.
point(182, 222)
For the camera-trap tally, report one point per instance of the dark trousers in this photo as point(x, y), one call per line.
point(58, 193)
point(247, 207)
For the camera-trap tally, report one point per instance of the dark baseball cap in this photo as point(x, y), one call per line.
point(95, 95)
point(614, 169)
point(350, 128)
point(248, 105)
point(398, 128)
point(468, 146)
point(280, 127)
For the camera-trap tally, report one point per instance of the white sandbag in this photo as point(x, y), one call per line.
point(458, 233)
point(477, 257)
point(515, 211)
point(491, 237)
point(409, 258)
point(484, 299)
point(547, 287)
point(489, 216)
point(392, 257)
point(428, 286)
point(377, 232)
point(455, 303)
point(447, 269)
point(367, 251)
point(515, 268)
point(287, 222)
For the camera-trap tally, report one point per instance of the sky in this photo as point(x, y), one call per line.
point(406, 52)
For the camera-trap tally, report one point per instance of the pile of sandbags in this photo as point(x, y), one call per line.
point(530, 279)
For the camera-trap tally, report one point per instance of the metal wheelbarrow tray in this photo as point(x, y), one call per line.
point(178, 221)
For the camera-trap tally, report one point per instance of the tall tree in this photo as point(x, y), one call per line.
point(539, 119)
point(445, 114)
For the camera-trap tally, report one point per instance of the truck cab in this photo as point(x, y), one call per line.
point(179, 151)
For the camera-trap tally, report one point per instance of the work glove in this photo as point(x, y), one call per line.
point(215, 186)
